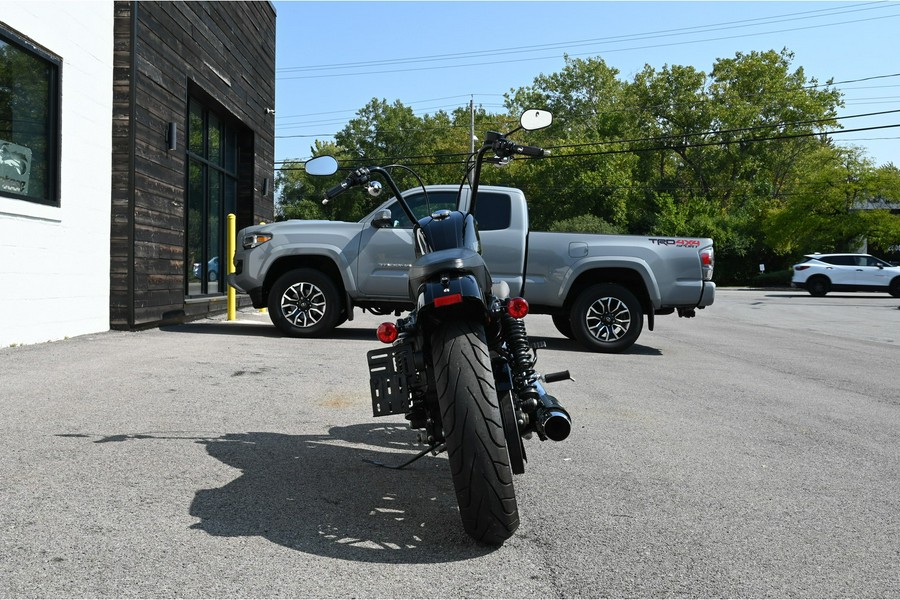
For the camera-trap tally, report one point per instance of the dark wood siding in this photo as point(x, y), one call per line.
point(165, 51)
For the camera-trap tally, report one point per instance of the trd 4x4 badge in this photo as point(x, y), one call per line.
point(675, 242)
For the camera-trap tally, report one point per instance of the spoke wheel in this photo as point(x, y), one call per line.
point(304, 303)
point(607, 318)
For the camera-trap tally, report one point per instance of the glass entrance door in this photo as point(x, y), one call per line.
point(212, 193)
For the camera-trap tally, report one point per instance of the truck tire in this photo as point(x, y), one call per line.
point(563, 325)
point(304, 303)
point(473, 431)
point(607, 317)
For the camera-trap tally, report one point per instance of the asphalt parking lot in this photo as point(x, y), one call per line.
point(748, 452)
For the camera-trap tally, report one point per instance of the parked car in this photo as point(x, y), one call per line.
point(212, 269)
point(823, 273)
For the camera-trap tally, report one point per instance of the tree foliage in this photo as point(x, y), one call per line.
point(740, 154)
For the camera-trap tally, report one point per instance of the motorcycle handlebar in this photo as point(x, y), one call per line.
point(531, 151)
point(358, 176)
point(339, 188)
point(507, 147)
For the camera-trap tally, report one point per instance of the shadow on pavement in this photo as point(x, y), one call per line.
point(561, 343)
point(261, 329)
point(315, 494)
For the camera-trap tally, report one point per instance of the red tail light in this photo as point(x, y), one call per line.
point(707, 262)
point(517, 308)
point(447, 300)
point(801, 267)
point(387, 333)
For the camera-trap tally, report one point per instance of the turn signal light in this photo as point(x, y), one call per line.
point(387, 333)
point(517, 308)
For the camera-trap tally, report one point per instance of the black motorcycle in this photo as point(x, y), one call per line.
point(460, 366)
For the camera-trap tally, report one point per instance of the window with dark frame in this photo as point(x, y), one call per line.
point(493, 211)
point(212, 152)
point(29, 121)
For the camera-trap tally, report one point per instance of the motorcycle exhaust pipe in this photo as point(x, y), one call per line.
point(552, 419)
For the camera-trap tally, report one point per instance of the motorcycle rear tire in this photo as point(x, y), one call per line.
point(473, 431)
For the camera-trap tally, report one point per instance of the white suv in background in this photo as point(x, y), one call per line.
point(823, 273)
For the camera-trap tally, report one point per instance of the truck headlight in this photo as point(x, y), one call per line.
point(255, 239)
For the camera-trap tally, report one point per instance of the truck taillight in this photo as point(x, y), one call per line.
point(707, 262)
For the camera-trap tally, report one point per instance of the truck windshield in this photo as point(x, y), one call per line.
point(493, 210)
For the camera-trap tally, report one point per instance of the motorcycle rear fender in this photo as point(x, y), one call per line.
point(460, 291)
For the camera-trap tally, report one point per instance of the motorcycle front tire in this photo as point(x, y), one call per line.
point(473, 432)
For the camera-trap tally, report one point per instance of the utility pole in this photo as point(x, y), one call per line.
point(471, 131)
point(472, 124)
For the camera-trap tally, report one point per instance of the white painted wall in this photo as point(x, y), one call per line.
point(54, 262)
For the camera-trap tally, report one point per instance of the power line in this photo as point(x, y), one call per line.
point(592, 53)
point(611, 39)
point(631, 150)
point(411, 103)
point(686, 134)
point(698, 101)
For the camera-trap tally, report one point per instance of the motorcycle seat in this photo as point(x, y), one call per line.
point(453, 260)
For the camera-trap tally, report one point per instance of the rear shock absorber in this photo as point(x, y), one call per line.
point(522, 359)
point(549, 419)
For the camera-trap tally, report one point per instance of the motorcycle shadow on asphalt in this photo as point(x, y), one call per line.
point(315, 494)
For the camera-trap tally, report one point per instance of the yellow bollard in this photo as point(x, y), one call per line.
point(229, 252)
point(263, 310)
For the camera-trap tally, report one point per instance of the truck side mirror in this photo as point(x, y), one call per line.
point(383, 220)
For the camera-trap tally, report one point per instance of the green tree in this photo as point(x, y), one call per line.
point(732, 154)
point(831, 206)
point(727, 145)
point(299, 196)
point(586, 175)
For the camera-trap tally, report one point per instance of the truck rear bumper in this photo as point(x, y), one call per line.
point(708, 296)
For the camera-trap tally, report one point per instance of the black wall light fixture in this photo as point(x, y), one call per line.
point(172, 136)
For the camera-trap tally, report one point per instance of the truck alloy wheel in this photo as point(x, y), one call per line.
point(304, 303)
point(607, 318)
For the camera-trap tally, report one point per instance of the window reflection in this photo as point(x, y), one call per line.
point(212, 194)
point(28, 155)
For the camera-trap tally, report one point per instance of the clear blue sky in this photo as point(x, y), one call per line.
point(332, 58)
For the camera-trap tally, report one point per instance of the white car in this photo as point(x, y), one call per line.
point(823, 273)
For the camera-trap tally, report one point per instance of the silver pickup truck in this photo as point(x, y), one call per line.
point(598, 288)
